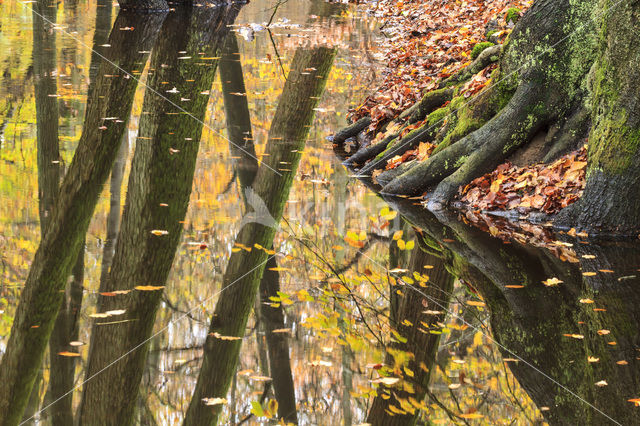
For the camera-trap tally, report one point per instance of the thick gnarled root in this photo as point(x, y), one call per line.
point(477, 153)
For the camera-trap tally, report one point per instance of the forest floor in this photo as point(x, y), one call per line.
point(427, 42)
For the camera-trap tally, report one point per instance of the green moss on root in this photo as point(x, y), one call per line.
point(513, 15)
point(478, 48)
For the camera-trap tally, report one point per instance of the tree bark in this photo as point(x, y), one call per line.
point(157, 199)
point(237, 113)
point(48, 147)
point(277, 344)
point(287, 137)
point(609, 203)
point(69, 220)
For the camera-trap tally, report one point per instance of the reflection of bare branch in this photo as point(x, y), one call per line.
point(275, 49)
point(183, 348)
point(361, 252)
point(174, 308)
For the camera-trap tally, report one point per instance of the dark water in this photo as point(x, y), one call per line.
point(166, 183)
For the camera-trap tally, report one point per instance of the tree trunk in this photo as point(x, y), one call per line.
point(41, 298)
point(144, 5)
point(157, 199)
point(287, 137)
point(609, 203)
point(236, 111)
point(48, 147)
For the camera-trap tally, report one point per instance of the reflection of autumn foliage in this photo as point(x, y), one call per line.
point(330, 33)
point(429, 41)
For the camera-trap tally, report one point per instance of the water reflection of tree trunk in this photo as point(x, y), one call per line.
point(246, 166)
point(41, 298)
point(533, 322)
point(237, 113)
point(289, 130)
point(66, 328)
point(277, 344)
point(412, 323)
point(48, 148)
point(157, 199)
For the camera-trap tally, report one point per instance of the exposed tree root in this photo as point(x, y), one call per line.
point(398, 148)
point(430, 102)
point(478, 152)
point(569, 134)
point(367, 153)
point(486, 58)
point(352, 130)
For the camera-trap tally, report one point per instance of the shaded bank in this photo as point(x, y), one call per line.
point(566, 72)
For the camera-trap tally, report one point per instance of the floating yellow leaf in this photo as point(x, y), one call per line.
point(149, 287)
point(260, 378)
point(320, 363)
point(69, 354)
point(471, 416)
point(214, 401)
point(552, 282)
point(221, 337)
point(575, 336)
point(387, 381)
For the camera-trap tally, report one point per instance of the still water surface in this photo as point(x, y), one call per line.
point(231, 261)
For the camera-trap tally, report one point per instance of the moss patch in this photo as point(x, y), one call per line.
point(478, 48)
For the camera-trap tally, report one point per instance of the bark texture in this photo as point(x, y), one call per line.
point(610, 200)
